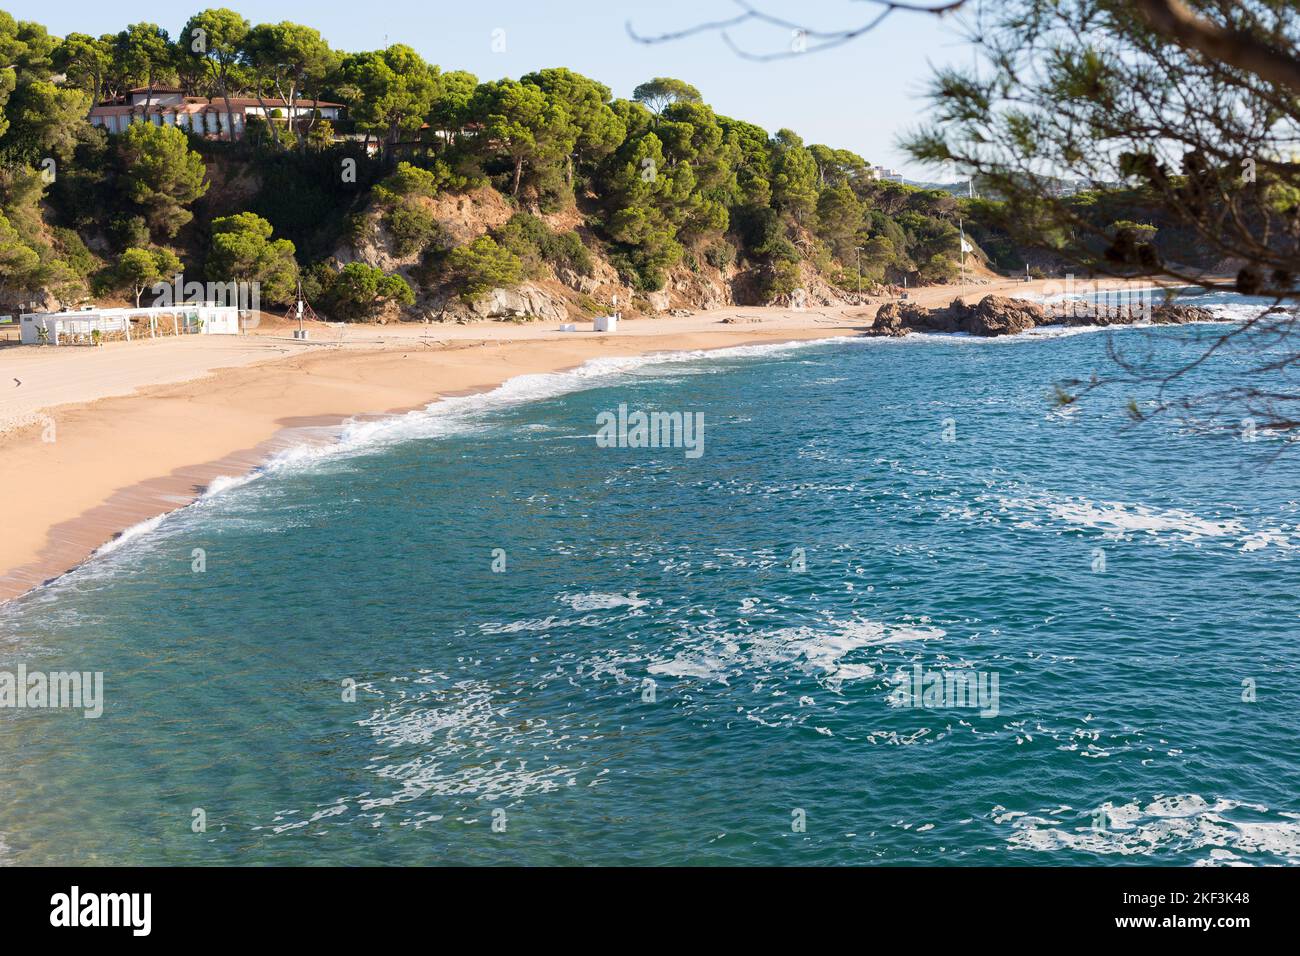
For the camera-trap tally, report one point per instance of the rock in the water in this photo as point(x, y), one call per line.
point(1180, 315)
point(889, 321)
point(992, 315)
point(996, 315)
point(1082, 313)
point(900, 318)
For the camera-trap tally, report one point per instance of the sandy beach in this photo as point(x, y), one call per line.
point(94, 441)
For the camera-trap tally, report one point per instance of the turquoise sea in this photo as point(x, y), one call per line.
point(472, 635)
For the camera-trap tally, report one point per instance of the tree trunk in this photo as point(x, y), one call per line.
point(311, 125)
point(94, 96)
point(266, 115)
point(230, 116)
point(519, 172)
point(290, 101)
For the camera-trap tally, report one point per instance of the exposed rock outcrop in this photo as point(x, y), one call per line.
point(992, 315)
point(658, 301)
point(1180, 315)
point(524, 302)
point(998, 315)
point(899, 318)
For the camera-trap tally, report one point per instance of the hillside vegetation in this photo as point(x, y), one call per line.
point(438, 197)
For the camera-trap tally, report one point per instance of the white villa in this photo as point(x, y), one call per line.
point(169, 106)
point(90, 326)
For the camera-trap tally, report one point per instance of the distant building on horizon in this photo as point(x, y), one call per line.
point(884, 172)
point(169, 106)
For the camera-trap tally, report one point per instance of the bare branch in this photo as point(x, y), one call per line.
point(829, 39)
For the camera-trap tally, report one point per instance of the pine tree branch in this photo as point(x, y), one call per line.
point(1174, 20)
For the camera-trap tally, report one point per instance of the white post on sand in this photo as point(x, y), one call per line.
point(300, 308)
point(961, 228)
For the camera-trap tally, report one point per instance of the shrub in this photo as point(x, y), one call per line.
point(938, 268)
point(534, 243)
point(81, 259)
point(409, 180)
point(360, 290)
point(720, 255)
point(781, 279)
point(481, 266)
point(567, 249)
point(130, 232)
point(412, 227)
point(524, 236)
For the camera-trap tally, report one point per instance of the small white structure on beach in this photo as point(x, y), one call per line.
point(605, 323)
point(80, 327)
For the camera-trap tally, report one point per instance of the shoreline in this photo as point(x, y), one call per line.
point(146, 444)
point(68, 543)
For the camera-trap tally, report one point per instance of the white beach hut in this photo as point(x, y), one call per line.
point(607, 323)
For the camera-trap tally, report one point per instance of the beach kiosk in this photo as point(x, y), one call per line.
point(90, 326)
point(69, 328)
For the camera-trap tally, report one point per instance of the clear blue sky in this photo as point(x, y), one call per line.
point(859, 96)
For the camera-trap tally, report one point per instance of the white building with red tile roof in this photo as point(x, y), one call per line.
point(169, 106)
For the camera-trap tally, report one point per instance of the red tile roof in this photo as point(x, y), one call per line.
point(117, 107)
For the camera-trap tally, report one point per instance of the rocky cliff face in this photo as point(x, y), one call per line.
point(563, 294)
point(524, 302)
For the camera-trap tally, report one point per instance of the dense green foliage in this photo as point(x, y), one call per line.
point(243, 251)
point(659, 182)
point(138, 269)
point(360, 291)
point(1128, 144)
point(482, 265)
